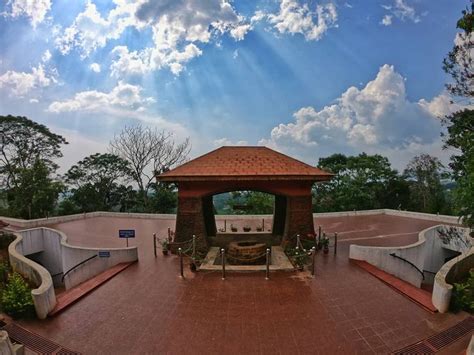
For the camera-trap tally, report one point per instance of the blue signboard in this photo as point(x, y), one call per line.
point(104, 254)
point(127, 233)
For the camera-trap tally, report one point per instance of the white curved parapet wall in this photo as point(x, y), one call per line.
point(428, 253)
point(50, 247)
point(447, 275)
point(44, 298)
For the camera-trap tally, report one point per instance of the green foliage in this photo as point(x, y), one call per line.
point(95, 182)
point(248, 202)
point(360, 182)
point(16, 297)
point(164, 198)
point(458, 63)
point(6, 239)
point(424, 174)
point(35, 193)
point(463, 295)
point(23, 143)
point(460, 136)
point(4, 270)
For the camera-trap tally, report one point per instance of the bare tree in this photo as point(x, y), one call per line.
point(150, 152)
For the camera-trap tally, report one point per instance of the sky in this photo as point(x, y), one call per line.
point(307, 78)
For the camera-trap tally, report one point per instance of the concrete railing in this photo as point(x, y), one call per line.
point(409, 262)
point(33, 223)
point(40, 222)
point(380, 257)
point(44, 298)
point(51, 249)
point(450, 273)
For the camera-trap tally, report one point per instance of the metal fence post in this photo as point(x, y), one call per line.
point(313, 254)
point(267, 271)
point(223, 263)
point(194, 247)
point(298, 241)
point(335, 243)
point(154, 243)
point(319, 237)
point(180, 252)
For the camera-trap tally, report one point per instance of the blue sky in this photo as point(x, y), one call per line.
point(309, 78)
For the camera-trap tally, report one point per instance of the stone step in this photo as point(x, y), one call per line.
point(66, 298)
point(415, 294)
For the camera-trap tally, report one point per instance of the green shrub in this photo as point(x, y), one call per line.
point(16, 297)
point(463, 295)
point(6, 239)
point(4, 270)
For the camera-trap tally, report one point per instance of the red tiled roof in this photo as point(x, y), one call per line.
point(244, 163)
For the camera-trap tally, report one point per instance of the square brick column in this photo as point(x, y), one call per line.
point(190, 221)
point(299, 217)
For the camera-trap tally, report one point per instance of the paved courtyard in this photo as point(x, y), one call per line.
point(148, 308)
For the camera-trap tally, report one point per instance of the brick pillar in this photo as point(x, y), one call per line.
point(209, 218)
point(299, 217)
point(190, 220)
point(279, 215)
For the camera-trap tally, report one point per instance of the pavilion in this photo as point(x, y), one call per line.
point(232, 168)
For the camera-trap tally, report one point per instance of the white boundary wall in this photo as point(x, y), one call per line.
point(33, 223)
point(58, 257)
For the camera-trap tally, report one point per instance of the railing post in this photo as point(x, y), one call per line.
point(298, 241)
point(180, 253)
point(154, 243)
point(335, 243)
point(225, 225)
point(223, 263)
point(313, 255)
point(263, 224)
point(267, 271)
point(319, 237)
point(169, 233)
point(194, 247)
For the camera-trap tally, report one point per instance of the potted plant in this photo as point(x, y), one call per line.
point(259, 229)
point(325, 244)
point(165, 246)
point(232, 228)
point(247, 228)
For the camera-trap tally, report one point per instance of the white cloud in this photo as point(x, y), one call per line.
point(401, 10)
point(35, 10)
point(95, 67)
point(90, 30)
point(46, 57)
point(376, 118)
point(235, 54)
point(177, 29)
point(34, 101)
point(296, 18)
point(225, 141)
point(123, 97)
point(387, 20)
point(21, 83)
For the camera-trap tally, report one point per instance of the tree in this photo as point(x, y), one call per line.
point(460, 125)
point(34, 194)
point(459, 62)
point(164, 198)
point(150, 152)
point(424, 173)
point(360, 182)
point(96, 181)
point(23, 143)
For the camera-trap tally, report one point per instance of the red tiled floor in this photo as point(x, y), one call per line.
point(66, 298)
point(148, 308)
point(418, 295)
